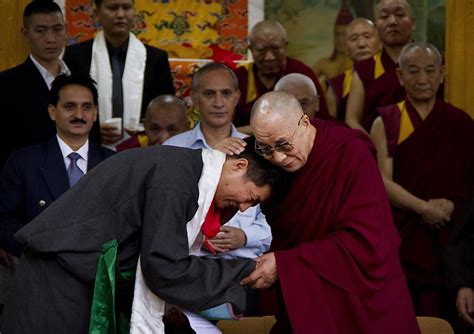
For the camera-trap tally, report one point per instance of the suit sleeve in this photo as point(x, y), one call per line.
point(12, 206)
point(164, 72)
point(191, 282)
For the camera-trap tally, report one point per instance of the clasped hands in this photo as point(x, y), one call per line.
point(437, 212)
point(265, 274)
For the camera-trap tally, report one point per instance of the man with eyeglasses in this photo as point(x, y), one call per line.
point(267, 42)
point(334, 255)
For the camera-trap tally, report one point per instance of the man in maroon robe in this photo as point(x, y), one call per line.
point(267, 42)
point(375, 82)
point(362, 42)
point(425, 155)
point(334, 256)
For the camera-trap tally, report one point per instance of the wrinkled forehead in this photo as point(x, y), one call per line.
point(420, 57)
point(360, 28)
point(270, 130)
point(391, 6)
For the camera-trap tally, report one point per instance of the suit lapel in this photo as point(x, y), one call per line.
point(95, 156)
point(35, 80)
point(54, 171)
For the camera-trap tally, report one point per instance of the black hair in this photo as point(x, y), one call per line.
point(262, 172)
point(39, 7)
point(64, 80)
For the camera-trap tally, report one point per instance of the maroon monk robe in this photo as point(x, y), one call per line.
point(337, 85)
point(242, 113)
point(381, 91)
point(335, 245)
point(435, 161)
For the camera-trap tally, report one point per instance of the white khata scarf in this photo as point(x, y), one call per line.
point(147, 308)
point(132, 80)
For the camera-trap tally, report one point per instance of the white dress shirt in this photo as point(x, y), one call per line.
point(83, 151)
point(48, 77)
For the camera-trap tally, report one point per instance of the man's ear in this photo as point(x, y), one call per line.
point(240, 165)
point(52, 112)
point(399, 76)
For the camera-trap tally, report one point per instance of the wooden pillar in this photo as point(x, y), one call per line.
point(460, 54)
point(13, 50)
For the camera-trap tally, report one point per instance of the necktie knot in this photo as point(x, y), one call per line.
point(74, 172)
point(74, 157)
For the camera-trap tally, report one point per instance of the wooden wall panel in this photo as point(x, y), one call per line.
point(12, 47)
point(460, 54)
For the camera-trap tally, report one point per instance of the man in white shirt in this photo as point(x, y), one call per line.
point(36, 176)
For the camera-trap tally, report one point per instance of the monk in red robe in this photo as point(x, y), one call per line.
point(165, 116)
point(334, 256)
point(426, 159)
point(267, 42)
point(362, 42)
point(375, 82)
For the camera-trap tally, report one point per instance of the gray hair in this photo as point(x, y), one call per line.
point(412, 46)
point(268, 24)
point(296, 78)
point(210, 67)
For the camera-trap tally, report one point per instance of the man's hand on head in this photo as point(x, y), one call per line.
point(231, 146)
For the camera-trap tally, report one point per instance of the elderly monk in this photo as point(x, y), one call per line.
point(334, 254)
point(303, 88)
point(362, 42)
point(267, 42)
point(375, 82)
point(165, 117)
point(424, 148)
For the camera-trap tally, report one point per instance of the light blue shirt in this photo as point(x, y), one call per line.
point(252, 221)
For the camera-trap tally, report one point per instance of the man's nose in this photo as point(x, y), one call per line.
point(50, 36)
point(392, 19)
point(218, 100)
point(269, 55)
point(279, 156)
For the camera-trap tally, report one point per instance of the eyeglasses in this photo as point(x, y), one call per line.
point(283, 147)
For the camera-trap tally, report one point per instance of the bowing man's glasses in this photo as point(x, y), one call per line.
point(283, 147)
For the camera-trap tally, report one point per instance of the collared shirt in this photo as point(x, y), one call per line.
point(48, 77)
point(252, 221)
point(83, 151)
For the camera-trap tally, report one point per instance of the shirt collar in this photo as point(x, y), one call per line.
point(83, 151)
point(197, 137)
point(48, 77)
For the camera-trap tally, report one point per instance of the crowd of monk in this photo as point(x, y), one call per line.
point(343, 206)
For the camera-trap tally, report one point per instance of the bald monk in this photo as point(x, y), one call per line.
point(303, 88)
point(267, 42)
point(375, 83)
point(362, 42)
point(334, 256)
point(424, 151)
point(165, 117)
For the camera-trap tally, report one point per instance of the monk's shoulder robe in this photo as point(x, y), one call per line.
point(335, 243)
point(432, 158)
point(142, 198)
point(242, 113)
point(341, 85)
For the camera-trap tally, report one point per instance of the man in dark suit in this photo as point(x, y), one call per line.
point(24, 89)
point(36, 176)
point(123, 68)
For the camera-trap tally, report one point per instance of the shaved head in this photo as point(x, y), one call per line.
point(166, 116)
point(283, 134)
point(268, 27)
point(383, 3)
point(395, 22)
point(295, 79)
point(362, 39)
point(277, 105)
point(303, 88)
